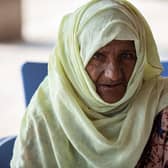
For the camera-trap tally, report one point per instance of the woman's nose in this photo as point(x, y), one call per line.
point(113, 71)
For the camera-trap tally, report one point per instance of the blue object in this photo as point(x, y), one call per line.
point(32, 74)
point(6, 151)
point(165, 69)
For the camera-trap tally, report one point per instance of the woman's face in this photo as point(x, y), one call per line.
point(111, 67)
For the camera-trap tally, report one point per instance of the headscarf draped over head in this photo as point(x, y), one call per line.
point(89, 132)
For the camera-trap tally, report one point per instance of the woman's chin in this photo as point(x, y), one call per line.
point(111, 95)
point(111, 99)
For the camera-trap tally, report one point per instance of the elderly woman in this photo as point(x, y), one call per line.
point(103, 104)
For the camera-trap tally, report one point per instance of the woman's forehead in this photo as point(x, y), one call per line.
point(123, 44)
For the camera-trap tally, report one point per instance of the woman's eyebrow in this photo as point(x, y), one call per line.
point(128, 50)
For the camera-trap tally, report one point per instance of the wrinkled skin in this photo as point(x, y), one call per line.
point(111, 67)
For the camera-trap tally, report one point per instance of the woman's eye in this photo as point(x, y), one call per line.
point(99, 56)
point(128, 56)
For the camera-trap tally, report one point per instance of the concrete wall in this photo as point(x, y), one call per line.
point(10, 20)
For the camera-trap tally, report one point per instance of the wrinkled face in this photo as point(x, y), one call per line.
point(111, 67)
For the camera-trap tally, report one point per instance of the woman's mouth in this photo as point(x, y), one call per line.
point(112, 85)
point(111, 92)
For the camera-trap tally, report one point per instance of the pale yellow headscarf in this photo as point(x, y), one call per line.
point(67, 124)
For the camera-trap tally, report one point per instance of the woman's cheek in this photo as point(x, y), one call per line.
point(93, 71)
point(128, 70)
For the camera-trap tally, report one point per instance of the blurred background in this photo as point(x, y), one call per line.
point(28, 31)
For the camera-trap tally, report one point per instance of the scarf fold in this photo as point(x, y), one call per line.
point(82, 129)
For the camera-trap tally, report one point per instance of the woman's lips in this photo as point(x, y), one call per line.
point(111, 86)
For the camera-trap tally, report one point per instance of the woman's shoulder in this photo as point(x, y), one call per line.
point(163, 80)
point(39, 112)
point(161, 121)
point(40, 101)
point(155, 153)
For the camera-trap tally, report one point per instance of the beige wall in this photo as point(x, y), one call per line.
point(10, 20)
